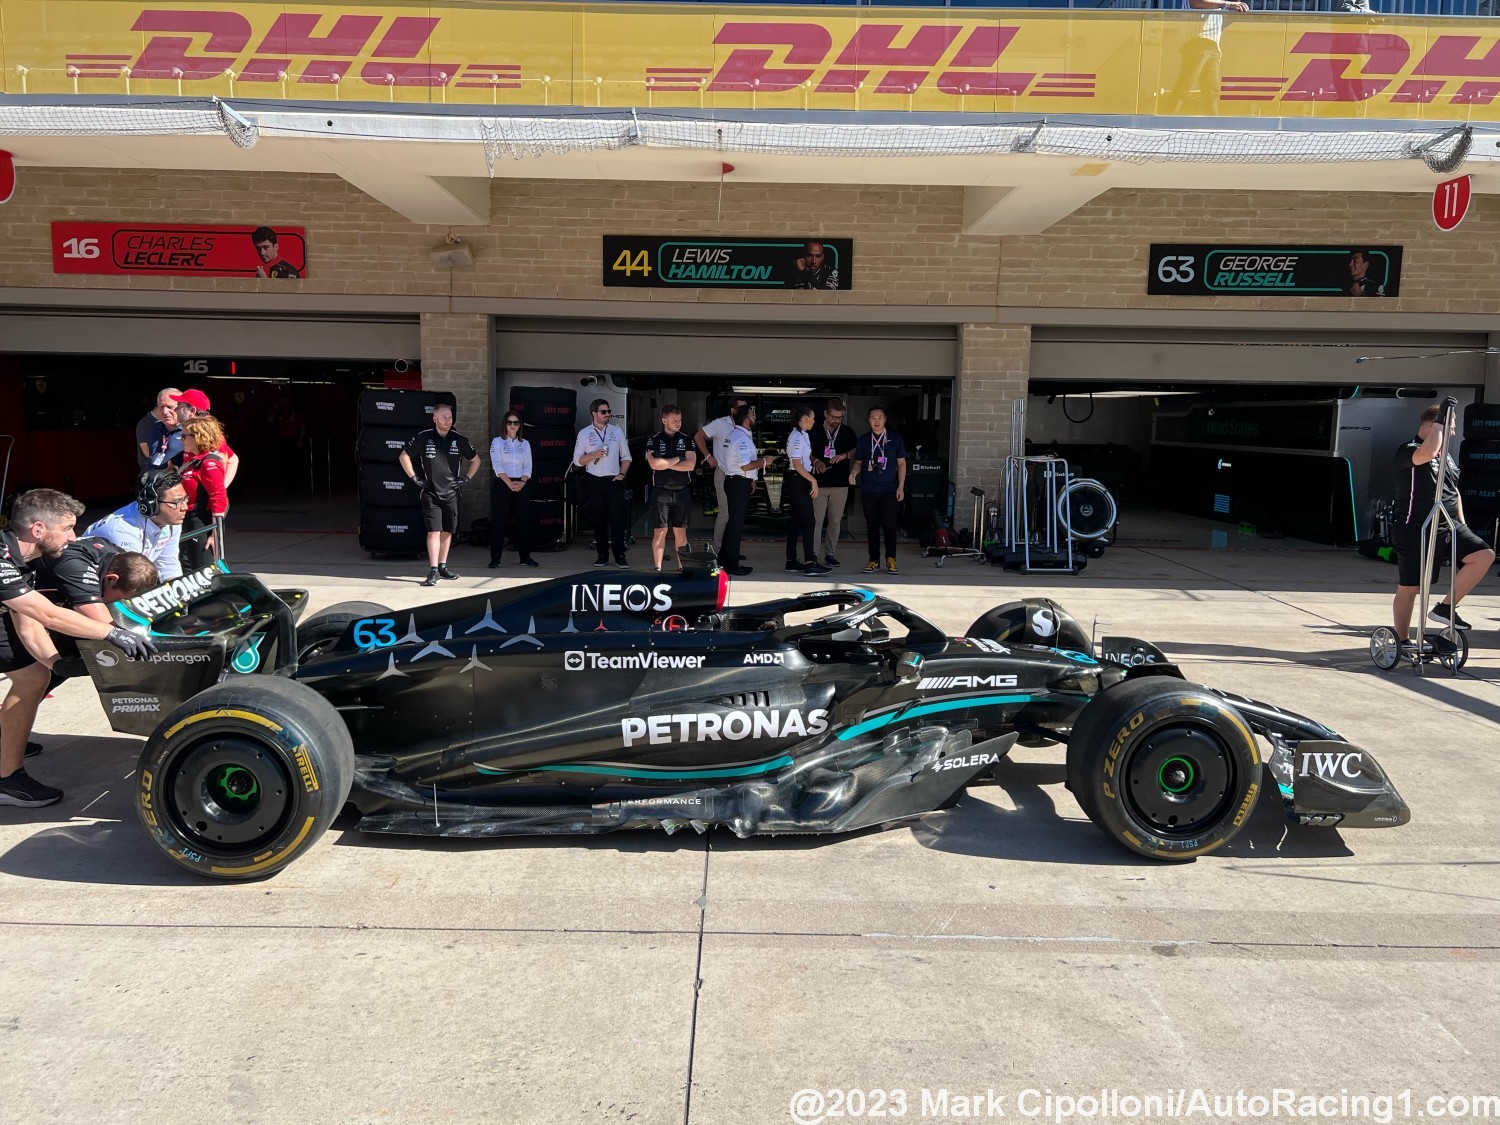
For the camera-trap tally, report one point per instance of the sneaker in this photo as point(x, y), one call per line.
point(602, 560)
point(871, 567)
point(27, 792)
point(738, 571)
point(494, 564)
point(830, 561)
point(444, 572)
point(622, 562)
point(530, 562)
point(890, 565)
point(33, 749)
point(794, 566)
point(1444, 613)
point(813, 570)
point(432, 577)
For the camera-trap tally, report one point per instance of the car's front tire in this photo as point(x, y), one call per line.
point(244, 777)
point(1167, 768)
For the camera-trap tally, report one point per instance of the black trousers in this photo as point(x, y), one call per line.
point(737, 496)
point(607, 513)
point(798, 496)
point(191, 552)
point(880, 515)
point(505, 505)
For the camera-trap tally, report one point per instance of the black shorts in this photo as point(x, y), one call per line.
point(13, 652)
point(1408, 543)
point(440, 513)
point(670, 507)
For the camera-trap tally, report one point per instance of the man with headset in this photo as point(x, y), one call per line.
point(42, 522)
point(153, 524)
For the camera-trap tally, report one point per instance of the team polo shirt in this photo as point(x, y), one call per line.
point(612, 440)
point(1416, 485)
point(76, 577)
point(128, 530)
point(511, 456)
point(16, 575)
point(439, 458)
point(735, 451)
point(799, 450)
point(669, 447)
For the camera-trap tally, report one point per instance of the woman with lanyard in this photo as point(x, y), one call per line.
point(203, 477)
point(801, 490)
point(510, 458)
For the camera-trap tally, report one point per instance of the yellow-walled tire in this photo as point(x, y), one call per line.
point(1169, 769)
point(244, 777)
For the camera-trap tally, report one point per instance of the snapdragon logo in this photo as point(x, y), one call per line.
point(727, 726)
point(611, 597)
point(576, 661)
point(177, 592)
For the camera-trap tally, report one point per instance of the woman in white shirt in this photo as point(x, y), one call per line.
point(799, 491)
point(510, 458)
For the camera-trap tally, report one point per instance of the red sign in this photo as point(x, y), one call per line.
point(177, 250)
point(7, 176)
point(1450, 202)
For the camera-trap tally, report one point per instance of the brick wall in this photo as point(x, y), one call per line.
point(994, 362)
point(456, 357)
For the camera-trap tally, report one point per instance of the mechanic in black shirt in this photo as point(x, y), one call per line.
point(1416, 486)
point(92, 572)
point(42, 522)
point(672, 458)
point(440, 461)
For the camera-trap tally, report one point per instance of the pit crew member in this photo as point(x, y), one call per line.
point(672, 459)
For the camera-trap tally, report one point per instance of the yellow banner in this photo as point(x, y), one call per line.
point(1193, 63)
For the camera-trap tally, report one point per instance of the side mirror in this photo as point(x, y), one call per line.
point(909, 667)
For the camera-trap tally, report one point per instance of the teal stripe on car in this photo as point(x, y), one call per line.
point(929, 709)
point(665, 773)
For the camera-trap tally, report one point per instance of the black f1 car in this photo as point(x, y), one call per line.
point(599, 702)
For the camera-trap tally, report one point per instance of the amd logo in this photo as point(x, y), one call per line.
point(764, 658)
point(1332, 764)
point(610, 597)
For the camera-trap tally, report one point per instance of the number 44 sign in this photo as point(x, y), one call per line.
point(1450, 202)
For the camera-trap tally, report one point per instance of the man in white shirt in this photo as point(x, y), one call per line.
point(707, 440)
point(153, 524)
point(736, 454)
point(601, 453)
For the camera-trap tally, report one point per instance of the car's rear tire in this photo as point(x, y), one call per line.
point(1167, 768)
point(244, 777)
point(323, 629)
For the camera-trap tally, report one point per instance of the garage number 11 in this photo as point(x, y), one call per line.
point(375, 632)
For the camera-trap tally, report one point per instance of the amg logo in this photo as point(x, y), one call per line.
point(574, 661)
point(171, 594)
point(765, 658)
point(942, 683)
point(731, 726)
point(609, 597)
point(972, 761)
point(1332, 764)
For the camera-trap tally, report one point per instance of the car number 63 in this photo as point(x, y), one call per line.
point(375, 632)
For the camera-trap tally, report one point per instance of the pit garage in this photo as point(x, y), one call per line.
point(551, 369)
point(1209, 437)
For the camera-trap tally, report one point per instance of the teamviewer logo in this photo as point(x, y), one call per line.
point(573, 661)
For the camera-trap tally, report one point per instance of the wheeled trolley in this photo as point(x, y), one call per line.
point(978, 526)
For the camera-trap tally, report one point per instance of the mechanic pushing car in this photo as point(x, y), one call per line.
point(42, 523)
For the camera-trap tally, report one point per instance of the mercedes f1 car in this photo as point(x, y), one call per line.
point(595, 703)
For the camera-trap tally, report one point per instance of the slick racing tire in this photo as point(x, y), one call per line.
point(321, 631)
point(1167, 768)
point(244, 777)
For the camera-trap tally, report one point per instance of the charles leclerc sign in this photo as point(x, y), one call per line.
point(179, 250)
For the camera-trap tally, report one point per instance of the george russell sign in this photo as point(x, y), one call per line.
point(1274, 271)
point(1100, 62)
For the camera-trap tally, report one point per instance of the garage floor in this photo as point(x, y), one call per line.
point(1005, 946)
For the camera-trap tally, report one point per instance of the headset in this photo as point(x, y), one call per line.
point(149, 490)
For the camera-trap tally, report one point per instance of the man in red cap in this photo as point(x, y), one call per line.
point(193, 401)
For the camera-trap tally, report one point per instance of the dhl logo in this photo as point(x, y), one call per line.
point(1356, 67)
point(304, 47)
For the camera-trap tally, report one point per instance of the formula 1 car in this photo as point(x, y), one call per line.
point(593, 703)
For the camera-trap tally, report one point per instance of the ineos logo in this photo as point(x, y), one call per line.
point(608, 597)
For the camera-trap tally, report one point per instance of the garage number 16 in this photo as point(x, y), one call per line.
point(375, 632)
point(1175, 268)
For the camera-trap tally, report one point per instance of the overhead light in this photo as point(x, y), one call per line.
point(1115, 394)
point(757, 389)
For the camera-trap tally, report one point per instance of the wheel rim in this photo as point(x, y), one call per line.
point(1384, 650)
point(229, 793)
point(1179, 780)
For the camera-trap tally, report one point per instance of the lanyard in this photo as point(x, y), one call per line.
point(877, 445)
point(603, 436)
point(833, 438)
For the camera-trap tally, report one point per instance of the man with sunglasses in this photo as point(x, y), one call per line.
point(601, 453)
point(833, 449)
point(510, 458)
point(152, 524)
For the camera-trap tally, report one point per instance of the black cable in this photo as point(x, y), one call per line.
point(1085, 418)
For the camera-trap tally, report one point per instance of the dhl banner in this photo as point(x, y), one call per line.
point(1190, 63)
